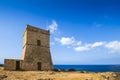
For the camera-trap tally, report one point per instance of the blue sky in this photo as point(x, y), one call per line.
point(82, 31)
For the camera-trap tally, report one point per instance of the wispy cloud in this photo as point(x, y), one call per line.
point(88, 46)
point(97, 44)
point(79, 46)
point(53, 27)
point(114, 46)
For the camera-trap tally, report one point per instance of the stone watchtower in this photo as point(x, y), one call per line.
point(36, 51)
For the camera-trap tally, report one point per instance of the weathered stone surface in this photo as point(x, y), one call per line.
point(10, 64)
point(36, 51)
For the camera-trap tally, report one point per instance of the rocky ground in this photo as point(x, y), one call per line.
point(52, 75)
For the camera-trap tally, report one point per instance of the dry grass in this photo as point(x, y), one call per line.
point(50, 75)
point(1, 68)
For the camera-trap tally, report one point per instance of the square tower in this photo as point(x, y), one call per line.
point(36, 49)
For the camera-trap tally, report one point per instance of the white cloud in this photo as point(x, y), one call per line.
point(67, 40)
point(97, 44)
point(86, 47)
point(81, 48)
point(79, 43)
point(53, 27)
point(114, 46)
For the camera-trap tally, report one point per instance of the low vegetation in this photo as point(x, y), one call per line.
point(71, 69)
point(1, 65)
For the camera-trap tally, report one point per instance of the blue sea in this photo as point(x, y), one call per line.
point(90, 68)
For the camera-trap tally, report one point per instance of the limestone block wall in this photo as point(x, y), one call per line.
point(34, 35)
point(34, 54)
point(10, 64)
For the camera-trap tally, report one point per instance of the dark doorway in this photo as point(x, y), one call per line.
point(17, 65)
point(39, 65)
point(38, 42)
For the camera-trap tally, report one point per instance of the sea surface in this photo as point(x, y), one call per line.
point(91, 68)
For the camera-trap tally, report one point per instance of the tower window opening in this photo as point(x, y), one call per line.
point(38, 42)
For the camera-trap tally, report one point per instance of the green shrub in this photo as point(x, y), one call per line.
point(82, 71)
point(56, 69)
point(71, 69)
